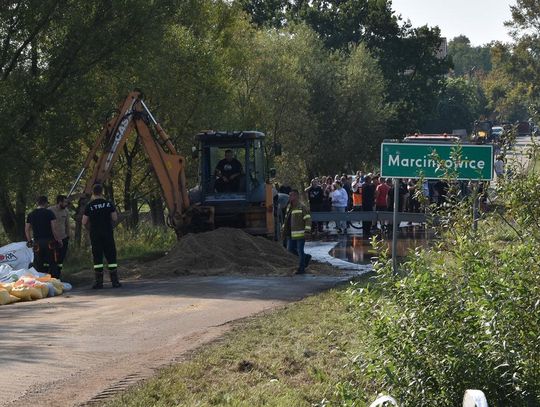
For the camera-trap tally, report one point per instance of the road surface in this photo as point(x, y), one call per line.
point(83, 347)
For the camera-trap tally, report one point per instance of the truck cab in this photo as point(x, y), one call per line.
point(243, 201)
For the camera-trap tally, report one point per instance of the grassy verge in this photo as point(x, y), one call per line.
point(295, 356)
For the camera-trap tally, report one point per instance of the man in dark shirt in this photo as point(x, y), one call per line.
point(315, 197)
point(228, 173)
point(368, 204)
point(99, 218)
point(40, 230)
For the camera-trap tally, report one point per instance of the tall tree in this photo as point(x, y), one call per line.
point(49, 52)
point(408, 56)
point(469, 60)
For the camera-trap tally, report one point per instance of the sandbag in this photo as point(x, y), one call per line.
point(4, 297)
point(8, 287)
point(35, 293)
point(52, 290)
point(17, 255)
point(22, 292)
point(13, 299)
point(58, 286)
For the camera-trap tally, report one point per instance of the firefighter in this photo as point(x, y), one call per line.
point(297, 224)
point(99, 218)
point(40, 230)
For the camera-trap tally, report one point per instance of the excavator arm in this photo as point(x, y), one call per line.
point(168, 166)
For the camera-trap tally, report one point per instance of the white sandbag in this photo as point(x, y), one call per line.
point(17, 255)
point(8, 275)
point(52, 291)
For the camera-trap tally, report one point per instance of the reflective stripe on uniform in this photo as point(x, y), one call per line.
point(113, 265)
point(98, 266)
point(308, 227)
point(46, 264)
point(296, 211)
point(308, 216)
point(297, 233)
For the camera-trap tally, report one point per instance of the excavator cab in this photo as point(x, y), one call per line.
point(233, 179)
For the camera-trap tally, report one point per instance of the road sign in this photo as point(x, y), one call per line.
point(432, 161)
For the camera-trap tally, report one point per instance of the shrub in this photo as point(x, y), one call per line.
point(464, 313)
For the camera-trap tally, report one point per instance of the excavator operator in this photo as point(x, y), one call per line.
point(228, 173)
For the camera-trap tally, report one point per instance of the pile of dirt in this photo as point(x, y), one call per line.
point(226, 251)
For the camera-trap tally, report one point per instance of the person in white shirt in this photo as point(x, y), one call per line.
point(498, 166)
point(340, 199)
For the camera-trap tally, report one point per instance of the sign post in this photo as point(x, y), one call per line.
point(395, 226)
point(432, 161)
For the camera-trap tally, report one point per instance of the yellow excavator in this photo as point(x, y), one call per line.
point(249, 206)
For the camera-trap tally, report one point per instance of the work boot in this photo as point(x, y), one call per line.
point(99, 280)
point(114, 279)
point(308, 259)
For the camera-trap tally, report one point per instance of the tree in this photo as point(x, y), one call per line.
point(407, 55)
point(459, 105)
point(50, 53)
point(469, 60)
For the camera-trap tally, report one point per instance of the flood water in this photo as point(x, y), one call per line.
point(355, 249)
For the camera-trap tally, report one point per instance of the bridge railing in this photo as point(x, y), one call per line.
point(373, 216)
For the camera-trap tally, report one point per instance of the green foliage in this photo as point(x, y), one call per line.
point(463, 314)
point(459, 105)
point(407, 55)
point(142, 243)
point(468, 60)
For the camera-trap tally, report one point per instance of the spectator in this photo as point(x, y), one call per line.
point(315, 197)
point(347, 187)
point(339, 204)
point(327, 198)
point(381, 195)
point(498, 166)
point(357, 192)
point(368, 203)
point(381, 199)
point(413, 205)
point(440, 190)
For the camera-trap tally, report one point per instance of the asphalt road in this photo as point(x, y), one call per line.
point(80, 348)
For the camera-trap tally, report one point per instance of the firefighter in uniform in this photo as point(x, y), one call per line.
point(40, 230)
point(297, 224)
point(99, 218)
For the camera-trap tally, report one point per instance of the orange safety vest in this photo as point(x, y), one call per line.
point(357, 197)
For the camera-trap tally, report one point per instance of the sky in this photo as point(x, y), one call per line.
point(480, 20)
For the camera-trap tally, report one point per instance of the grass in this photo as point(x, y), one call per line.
point(295, 356)
point(143, 244)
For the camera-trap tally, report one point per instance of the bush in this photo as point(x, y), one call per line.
point(463, 314)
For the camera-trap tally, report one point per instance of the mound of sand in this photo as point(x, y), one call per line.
point(226, 251)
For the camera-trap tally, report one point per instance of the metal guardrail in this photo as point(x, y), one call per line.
point(372, 216)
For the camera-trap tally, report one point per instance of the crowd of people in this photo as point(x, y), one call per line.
point(359, 192)
point(368, 192)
